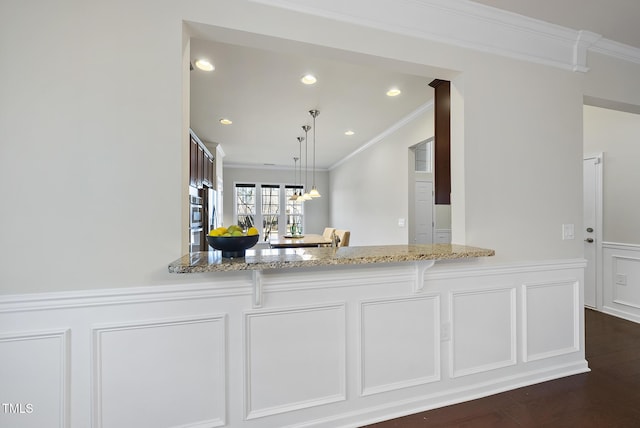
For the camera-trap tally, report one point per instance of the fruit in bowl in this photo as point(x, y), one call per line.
point(232, 241)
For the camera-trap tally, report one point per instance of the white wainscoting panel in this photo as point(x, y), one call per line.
point(295, 358)
point(34, 384)
point(399, 343)
point(551, 319)
point(483, 330)
point(337, 347)
point(626, 281)
point(621, 280)
point(160, 373)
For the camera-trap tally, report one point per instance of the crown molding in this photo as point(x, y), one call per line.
point(617, 50)
point(469, 25)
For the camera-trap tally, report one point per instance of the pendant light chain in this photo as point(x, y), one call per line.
point(300, 170)
point(314, 190)
point(306, 196)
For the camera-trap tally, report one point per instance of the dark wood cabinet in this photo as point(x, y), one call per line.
point(201, 165)
point(193, 163)
point(207, 178)
point(442, 147)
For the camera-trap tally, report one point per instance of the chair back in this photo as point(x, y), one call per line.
point(328, 231)
point(344, 236)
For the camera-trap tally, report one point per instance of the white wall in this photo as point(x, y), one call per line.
point(316, 212)
point(92, 136)
point(90, 144)
point(506, 196)
point(369, 191)
point(616, 134)
point(522, 159)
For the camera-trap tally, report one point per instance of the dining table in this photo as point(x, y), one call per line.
point(293, 241)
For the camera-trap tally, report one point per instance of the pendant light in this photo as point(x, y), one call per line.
point(298, 192)
point(306, 196)
point(314, 190)
point(294, 197)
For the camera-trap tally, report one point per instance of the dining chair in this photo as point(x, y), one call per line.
point(344, 236)
point(328, 231)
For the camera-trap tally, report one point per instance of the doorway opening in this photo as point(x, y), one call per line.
point(592, 222)
point(428, 223)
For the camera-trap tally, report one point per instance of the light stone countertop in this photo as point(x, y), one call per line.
point(212, 261)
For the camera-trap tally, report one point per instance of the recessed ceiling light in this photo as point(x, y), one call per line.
point(226, 121)
point(349, 132)
point(308, 79)
point(394, 92)
point(204, 65)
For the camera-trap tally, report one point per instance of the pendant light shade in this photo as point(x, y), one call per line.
point(314, 190)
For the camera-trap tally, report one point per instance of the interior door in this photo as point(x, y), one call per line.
point(592, 200)
point(424, 212)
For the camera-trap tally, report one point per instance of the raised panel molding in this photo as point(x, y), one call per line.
point(625, 280)
point(551, 321)
point(134, 362)
point(295, 358)
point(619, 299)
point(483, 330)
point(34, 374)
point(399, 343)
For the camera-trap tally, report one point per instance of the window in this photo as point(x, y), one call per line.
point(293, 211)
point(270, 209)
point(424, 156)
point(267, 207)
point(245, 205)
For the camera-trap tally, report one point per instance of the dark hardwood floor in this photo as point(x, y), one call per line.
point(606, 397)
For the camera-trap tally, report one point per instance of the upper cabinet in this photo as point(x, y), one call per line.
point(202, 164)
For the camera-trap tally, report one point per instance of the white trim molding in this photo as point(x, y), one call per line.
point(41, 346)
point(169, 344)
point(470, 25)
point(621, 280)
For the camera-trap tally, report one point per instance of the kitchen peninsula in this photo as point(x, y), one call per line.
point(212, 261)
point(343, 337)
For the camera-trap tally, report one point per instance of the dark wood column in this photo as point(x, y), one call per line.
point(442, 146)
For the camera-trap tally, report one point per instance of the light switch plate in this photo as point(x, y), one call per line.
point(568, 232)
point(401, 222)
point(621, 279)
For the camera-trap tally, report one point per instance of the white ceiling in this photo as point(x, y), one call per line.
point(261, 92)
point(259, 88)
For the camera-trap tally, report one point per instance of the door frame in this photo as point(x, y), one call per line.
point(598, 170)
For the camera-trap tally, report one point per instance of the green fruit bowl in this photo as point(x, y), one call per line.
point(232, 246)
